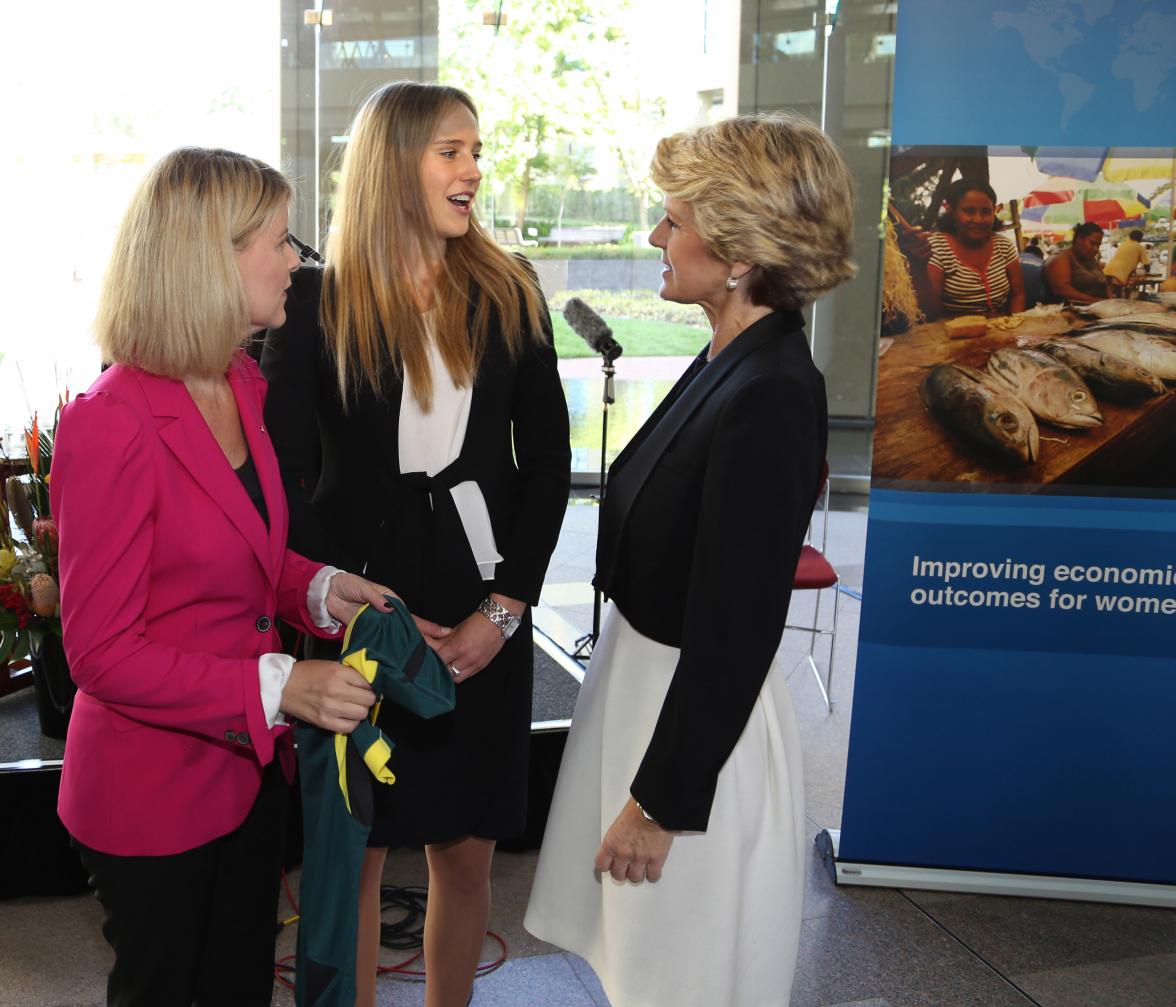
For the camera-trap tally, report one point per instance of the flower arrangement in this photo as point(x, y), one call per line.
point(30, 601)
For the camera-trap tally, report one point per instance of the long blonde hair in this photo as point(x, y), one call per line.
point(369, 312)
point(172, 300)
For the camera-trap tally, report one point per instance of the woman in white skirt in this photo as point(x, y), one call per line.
point(674, 854)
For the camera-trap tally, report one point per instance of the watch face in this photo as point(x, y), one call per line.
point(511, 625)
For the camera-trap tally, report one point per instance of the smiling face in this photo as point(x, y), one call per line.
point(691, 272)
point(449, 173)
point(265, 265)
point(973, 217)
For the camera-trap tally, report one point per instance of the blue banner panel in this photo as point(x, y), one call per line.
point(1084, 73)
point(1015, 694)
point(993, 732)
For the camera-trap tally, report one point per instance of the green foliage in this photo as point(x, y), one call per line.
point(640, 304)
point(639, 337)
point(553, 84)
point(644, 324)
point(591, 252)
point(583, 206)
point(520, 75)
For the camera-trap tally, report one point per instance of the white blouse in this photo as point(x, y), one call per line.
point(429, 442)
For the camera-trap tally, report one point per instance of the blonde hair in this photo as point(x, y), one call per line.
point(172, 300)
point(771, 190)
point(381, 222)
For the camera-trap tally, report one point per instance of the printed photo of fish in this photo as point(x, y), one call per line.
point(1028, 321)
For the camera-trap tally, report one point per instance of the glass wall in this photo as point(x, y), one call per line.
point(95, 99)
point(833, 62)
point(573, 95)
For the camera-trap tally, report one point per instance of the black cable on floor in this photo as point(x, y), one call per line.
point(405, 934)
point(408, 932)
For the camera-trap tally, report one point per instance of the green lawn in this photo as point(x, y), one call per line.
point(639, 338)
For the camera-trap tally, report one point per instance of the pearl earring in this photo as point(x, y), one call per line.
point(733, 282)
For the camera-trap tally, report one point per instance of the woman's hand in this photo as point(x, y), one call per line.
point(472, 645)
point(327, 694)
point(915, 245)
point(348, 593)
point(634, 847)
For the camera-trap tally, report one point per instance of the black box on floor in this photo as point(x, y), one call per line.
point(546, 752)
point(35, 855)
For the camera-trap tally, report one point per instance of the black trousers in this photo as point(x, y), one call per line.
point(198, 927)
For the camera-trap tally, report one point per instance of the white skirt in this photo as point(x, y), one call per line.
point(722, 925)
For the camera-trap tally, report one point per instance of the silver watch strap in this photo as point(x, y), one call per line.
point(498, 614)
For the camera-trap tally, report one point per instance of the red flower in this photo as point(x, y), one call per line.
point(14, 601)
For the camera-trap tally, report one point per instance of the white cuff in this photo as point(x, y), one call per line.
point(475, 520)
point(316, 599)
point(273, 671)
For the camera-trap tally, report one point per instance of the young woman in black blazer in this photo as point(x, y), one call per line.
point(431, 387)
point(683, 743)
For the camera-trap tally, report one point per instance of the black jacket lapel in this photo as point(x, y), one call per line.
point(660, 431)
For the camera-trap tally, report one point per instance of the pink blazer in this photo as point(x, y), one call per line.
point(170, 587)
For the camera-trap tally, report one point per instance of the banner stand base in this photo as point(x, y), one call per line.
point(1036, 886)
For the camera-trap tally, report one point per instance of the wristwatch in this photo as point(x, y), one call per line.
point(505, 620)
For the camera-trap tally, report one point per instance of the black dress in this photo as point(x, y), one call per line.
point(464, 773)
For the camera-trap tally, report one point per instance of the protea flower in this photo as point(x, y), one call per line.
point(44, 595)
point(45, 535)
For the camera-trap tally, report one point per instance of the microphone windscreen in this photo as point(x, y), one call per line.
point(587, 324)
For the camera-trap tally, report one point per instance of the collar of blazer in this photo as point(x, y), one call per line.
point(646, 451)
point(183, 430)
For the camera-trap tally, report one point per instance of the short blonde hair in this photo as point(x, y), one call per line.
point(771, 190)
point(172, 300)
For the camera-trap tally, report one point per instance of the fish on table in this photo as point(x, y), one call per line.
point(1109, 377)
point(1052, 391)
point(1116, 307)
point(982, 413)
point(1157, 324)
point(1152, 353)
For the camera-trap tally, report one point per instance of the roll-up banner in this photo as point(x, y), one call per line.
point(1014, 714)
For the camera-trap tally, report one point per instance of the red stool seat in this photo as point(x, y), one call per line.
point(813, 572)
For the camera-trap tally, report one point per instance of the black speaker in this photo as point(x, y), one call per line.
point(546, 752)
point(35, 855)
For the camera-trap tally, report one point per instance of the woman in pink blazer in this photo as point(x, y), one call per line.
point(174, 566)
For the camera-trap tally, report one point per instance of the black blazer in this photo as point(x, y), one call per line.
point(359, 513)
point(704, 517)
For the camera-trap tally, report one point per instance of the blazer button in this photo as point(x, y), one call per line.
point(230, 735)
point(243, 738)
point(264, 623)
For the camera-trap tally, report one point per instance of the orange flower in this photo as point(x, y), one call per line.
point(33, 446)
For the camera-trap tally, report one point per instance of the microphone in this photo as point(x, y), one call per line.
point(304, 250)
point(593, 329)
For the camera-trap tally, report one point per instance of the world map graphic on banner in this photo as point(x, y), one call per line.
point(1061, 38)
point(1091, 73)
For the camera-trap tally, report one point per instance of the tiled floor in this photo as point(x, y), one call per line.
point(859, 947)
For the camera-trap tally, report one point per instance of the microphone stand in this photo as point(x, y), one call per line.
point(583, 646)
